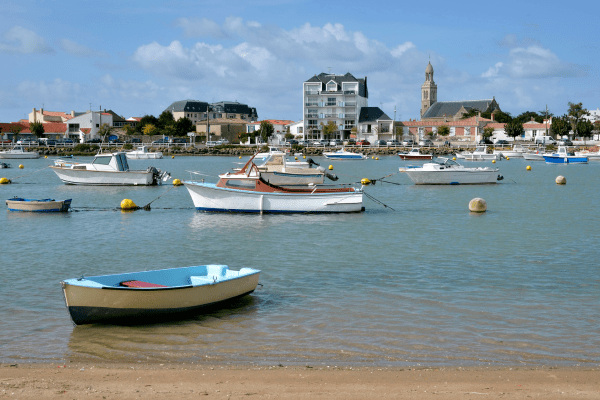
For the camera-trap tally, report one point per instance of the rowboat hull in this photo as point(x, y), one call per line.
point(103, 178)
point(413, 157)
point(565, 159)
point(293, 179)
point(209, 197)
point(18, 155)
point(144, 156)
point(48, 205)
point(533, 157)
point(103, 299)
point(453, 177)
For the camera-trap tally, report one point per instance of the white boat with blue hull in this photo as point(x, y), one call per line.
point(342, 154)
point(563, 156)
point(150, 296)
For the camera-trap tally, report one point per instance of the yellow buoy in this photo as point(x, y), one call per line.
point(303, 156)
point(365, 181)
point(240, 157)
point(493, 161)
point(128, 204)
point(508, 158)
point(528, 168)
point(295, 158)
point(172, 156)
point(4, 181)
point(21, 166)
point(561, 180)
point(453, 158)
point(372, 157)
point(45, 156)
point(330, 167)
point(477, 205)
point(376, 158)
point(176, 182)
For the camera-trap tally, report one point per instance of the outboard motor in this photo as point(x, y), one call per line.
point(311, 162)
point(332, 177)
point(500, 177)
point(158, 177)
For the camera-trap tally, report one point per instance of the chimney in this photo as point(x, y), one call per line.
point(34, 116)
point(72, 113)
point(492, 117)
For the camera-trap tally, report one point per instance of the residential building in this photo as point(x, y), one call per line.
point(197, 111)
point(297, 129)
point(52, 130)
point(433, 110)
point(45, 116)
point(279, 128)
point(329, 97)
point(222, 128)
point(374, 124)
point(465, 129)
point(86, 126)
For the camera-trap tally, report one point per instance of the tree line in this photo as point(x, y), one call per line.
point(165, 124)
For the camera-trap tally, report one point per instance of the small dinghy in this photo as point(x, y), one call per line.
point(44, 205)
point(149, 296)
point(4, 165)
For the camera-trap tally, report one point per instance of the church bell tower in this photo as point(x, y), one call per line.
point(428, 90)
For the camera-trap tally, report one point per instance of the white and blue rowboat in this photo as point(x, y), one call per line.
point(342, 154)
point(562, 156)
point(246, 191)
point(31, 205)
point(150, 296)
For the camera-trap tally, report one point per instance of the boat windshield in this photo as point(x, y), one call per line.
point(444, 161)
point(102, 160)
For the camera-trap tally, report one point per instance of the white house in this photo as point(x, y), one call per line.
point(297, 129)
point(86, 126)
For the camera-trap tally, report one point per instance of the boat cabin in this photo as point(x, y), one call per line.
point(114, 161)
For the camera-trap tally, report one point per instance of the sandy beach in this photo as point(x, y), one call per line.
point(187, 381)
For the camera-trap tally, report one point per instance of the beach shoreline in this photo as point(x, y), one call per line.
point(182, 381)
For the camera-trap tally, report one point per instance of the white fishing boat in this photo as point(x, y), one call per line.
point(277, 170)
point(342, 154)
point(34, 205)
point(247, 191)
point(18, 152)
point(415, 154)
point(517, 151)
point(148, 296)
point(534, 155)
point(142, 153)
point(443, 171)
point(272, 150)
point(479, 154)
point(107, 169)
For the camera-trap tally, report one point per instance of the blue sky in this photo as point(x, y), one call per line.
point(138, 57)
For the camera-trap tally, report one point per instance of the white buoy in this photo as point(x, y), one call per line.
point(561, 180)
point(478, 205)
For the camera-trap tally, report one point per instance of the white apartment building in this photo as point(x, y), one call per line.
point(330, 97)
point(86, 126)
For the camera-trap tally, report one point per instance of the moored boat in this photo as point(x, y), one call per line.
point(4, 165)
point(479, 154)
point(107, 169)
point(272, 150)
point(142, 153)
point(278, 171)
point(148, 296)
point(18, 152)
point(592, 154)
point(534, 156)
point(342, 154)
point(247, 191)
point(563, 156)
point(34, 205)
point(415, 154)
point(443, 171)
point(517, 151)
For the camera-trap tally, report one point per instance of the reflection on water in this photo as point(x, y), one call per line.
point(428, 283)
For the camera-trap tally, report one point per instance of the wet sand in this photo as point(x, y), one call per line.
point(189, 381)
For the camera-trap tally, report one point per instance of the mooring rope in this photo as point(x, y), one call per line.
point(20, 176)
point(147, 206)
point(377, 201)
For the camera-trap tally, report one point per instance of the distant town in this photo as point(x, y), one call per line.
point(334, 108)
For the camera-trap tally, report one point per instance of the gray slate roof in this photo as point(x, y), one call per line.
point(450, 108)
point(324, 78)
point(372, 114)
point(188, 106)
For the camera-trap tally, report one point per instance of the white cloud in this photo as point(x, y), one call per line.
point(200, 27)
point(493, 71)
point(401, 49)
point(23, 41)
point(76, 49)
point(49, 92)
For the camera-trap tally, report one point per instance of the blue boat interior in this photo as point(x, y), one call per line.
point(171, 278)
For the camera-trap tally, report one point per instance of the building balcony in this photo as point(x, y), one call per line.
point(331, 115)
point(331, 104)
point(350, 116)
point(349, 92)
point(350, 104)
point(312, 115)
point(315, 104)
point(349, 126)
point(311, 92)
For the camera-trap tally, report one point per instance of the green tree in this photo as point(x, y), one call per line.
point(288, 136)
point(266, 131)
point(443, 130)
point(183, 126)
point(146, 119)
point(513, 129)
point(329, 129)
point(585, 129)
point(561, 126)
point(576, 113)
point(500, 116)
point(487, 132)
point(15, 129)
point(129, 130)
point(164, 119)
point(528, 115)
point(37, 128)
point(104, 131)
point(149, 129)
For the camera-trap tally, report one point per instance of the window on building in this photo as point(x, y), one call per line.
point(331, 101)
point(312, 122)
point(97, 125)
point(300, 129)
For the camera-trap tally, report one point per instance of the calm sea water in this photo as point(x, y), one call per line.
point(427, 283)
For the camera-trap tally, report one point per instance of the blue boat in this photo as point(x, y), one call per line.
point(33, 205)
point(150, 296)
point(562, 156)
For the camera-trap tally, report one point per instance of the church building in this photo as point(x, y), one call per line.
point(433, 110)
